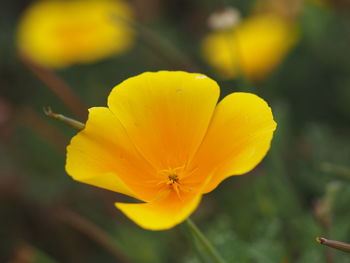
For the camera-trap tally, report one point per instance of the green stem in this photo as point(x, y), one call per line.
point(68, 121)
point(204, 242)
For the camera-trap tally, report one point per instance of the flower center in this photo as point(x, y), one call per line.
point(174, 183)
point(173, 178)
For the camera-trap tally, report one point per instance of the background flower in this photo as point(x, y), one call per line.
point(253, 48)
point(61, 33)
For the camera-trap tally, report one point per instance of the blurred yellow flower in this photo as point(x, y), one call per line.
point(57, 33)
point(164, 141)
point(252, 49)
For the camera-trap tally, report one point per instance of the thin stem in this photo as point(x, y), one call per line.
point(56, 85)
point(334, 244)
point(44, 128)
point(70, 122)
point(204, 242)
point(329, 250)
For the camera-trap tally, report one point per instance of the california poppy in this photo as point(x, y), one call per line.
point(164, 141)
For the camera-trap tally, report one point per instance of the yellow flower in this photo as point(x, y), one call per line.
point(164, 141)
point(60, 33)
point(254, 48)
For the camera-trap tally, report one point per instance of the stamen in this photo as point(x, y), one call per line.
point(173, 178)
point(177, 190)
point(175, 184)
point(176, 170)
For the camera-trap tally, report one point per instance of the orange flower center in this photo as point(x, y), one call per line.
point(170, 180)
point(174, 183)
point(173, 178)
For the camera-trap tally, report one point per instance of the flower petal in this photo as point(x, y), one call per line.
point(166, 114)
point(103, 155)
point(161, 214)
point(238, 137)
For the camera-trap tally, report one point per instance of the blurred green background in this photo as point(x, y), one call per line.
point(273, 214)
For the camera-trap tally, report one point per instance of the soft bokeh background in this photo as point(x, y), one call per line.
point(273, 214)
